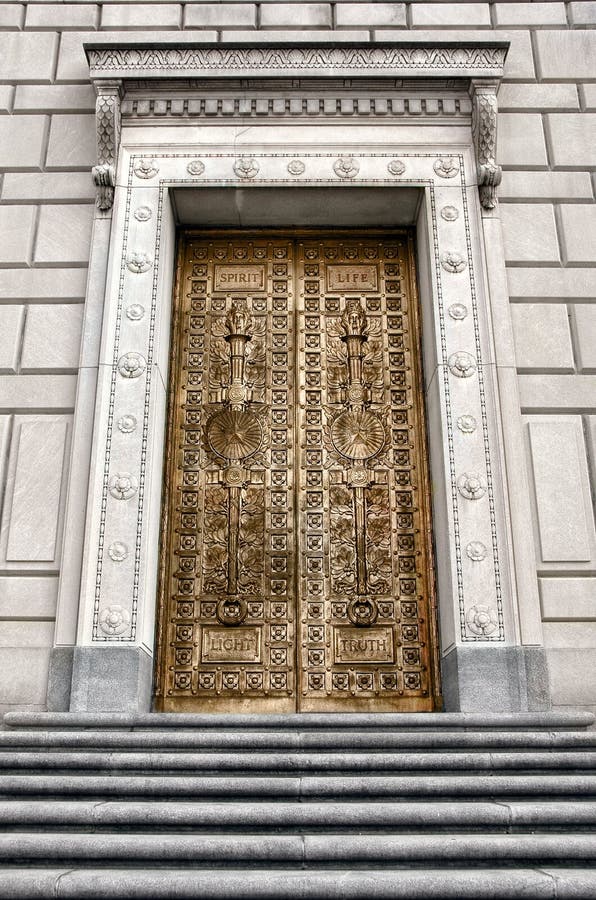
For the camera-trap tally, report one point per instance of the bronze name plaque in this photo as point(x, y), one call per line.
point(342, 279)
point(364, 645)
point(239, 278)
point(231, 645)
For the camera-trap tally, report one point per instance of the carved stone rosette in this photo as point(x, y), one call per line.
point(107, 120)
point(484, 132)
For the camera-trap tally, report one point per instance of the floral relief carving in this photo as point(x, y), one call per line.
point(131, 365)
point(471, 485)
point(123, 486)
point(107, 60)
point(215, 545)
point(138, 262)
point(114, 620)
point(481, 620)
point(343, 540)
point(296, 167)
point(446, 167)
point(466, 424)
point(346, 167)
point(127, 424)
point(251, 537)
point(462, 364)
point(146, 168)
point(458, 311)
point(135, 312)
point(118, 551)
point(378, 539)
point(449, 213)
point(195, 167)
point(476, 551)
point(453, 262)
point(143, 213)
point(396, 167)
point(246, 167)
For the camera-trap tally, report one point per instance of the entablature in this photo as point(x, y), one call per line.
point(421, 75)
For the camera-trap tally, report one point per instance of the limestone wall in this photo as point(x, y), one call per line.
point(547, 146)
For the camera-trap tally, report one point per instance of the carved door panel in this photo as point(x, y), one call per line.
point(296, 563)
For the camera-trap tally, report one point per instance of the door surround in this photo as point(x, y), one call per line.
point(492, 657)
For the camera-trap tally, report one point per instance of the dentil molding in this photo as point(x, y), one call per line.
point(477, 64)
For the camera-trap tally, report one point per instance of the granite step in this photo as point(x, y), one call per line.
point(289, 884)
point(304, 722)
point(336, 741)
point(283, 816)
point(311, 787)
point(244, 762)
point(226, 851)
point(300, 807)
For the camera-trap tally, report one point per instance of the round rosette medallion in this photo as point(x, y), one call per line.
point(358, 434)
point(234, 433)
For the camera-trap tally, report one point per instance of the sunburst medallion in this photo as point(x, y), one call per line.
point(357, 434)
point(234, 434)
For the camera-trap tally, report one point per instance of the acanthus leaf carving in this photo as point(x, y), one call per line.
point(484, 132)
point(463, 59)
point(107, 122)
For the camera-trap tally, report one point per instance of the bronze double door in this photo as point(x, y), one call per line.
point(296, 559)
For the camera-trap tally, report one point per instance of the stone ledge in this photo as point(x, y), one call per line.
point(304, 721)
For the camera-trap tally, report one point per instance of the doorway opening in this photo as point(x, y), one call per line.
point(296, 564)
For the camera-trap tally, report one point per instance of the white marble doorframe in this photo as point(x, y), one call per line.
point(488, 606)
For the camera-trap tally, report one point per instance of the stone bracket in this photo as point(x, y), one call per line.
point(108, 122)
point(483, 92)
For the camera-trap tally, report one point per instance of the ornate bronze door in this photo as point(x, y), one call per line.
point(297, 558)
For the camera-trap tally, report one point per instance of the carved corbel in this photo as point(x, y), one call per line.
point(107, 120)
point(483, 93)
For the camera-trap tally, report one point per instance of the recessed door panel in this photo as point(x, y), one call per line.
point(296, 562)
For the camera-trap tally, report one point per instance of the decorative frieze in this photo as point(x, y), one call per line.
point(480, 59)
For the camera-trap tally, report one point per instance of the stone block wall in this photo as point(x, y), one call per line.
point(547, 146)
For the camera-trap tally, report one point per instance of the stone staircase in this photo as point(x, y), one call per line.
point(300, 806)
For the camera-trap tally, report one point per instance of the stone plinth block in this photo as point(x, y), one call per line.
point(491, 679)
point(111, 679)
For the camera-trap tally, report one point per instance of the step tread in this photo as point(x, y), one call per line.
point(291, 814)
point(298, 741)
point(301, 787)
point(307, 848)
point(275, 884)
point(298, 761)
point(303, 721)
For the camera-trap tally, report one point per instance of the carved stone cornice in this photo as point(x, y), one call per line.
point(478, 62)
point(415, 54)
point(107, 119)
point(484, 132)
